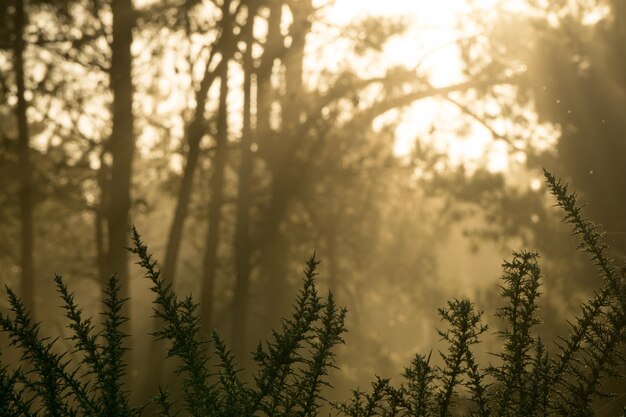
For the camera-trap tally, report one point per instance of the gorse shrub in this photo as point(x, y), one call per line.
point(526, 380)
point(292, 367)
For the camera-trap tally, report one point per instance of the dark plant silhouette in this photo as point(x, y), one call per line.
point(526, 381)
point(292, 367)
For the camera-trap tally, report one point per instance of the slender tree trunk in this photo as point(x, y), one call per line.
point(273, 48)
point(194, 133)
point(100, 251)
point(156, 351)
point(333, 258)
point(100, 223)
point(294, 62)
point(242, 246)
point(275, 252)
point(216, 193)
point(25, 166)
point(172, 250)
point(122, 143)
point(274, 245)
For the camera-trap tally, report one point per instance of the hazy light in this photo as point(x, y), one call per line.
point(431, 42)
point(535, 184)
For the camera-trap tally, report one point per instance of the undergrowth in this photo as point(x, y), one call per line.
point(524, 380)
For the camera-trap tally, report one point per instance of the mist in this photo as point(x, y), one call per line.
point(404, 147)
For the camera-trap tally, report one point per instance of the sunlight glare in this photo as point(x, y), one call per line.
point(430, 42)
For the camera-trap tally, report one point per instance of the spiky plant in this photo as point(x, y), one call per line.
point(526, 380)
point(50, 386)
point(293, 365)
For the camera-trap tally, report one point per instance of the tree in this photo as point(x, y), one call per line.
point(572, 55)
point(122, 142)
point(577, 76)
point(224, 47)
point(216, 194)
point(241, 243)
point(24, 161)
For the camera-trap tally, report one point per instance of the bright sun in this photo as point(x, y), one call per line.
point(431, 32)
point(431, 39)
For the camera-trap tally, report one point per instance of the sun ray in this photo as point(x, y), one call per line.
point(432, 42)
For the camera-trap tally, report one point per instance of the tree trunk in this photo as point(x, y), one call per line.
point(294, 61)
point(272, 50)
point(194, 133)
point(333, 257)
point(122, 143)
point(242, 228)
point(100, 223)
point(216, 194)
point(275, 252)
point(274, 245)
point(25, 166)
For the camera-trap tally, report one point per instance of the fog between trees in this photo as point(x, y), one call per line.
point(217, 128)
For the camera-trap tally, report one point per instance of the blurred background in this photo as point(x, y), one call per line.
point(402, 141)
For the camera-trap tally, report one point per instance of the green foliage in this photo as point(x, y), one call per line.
point(292, 367)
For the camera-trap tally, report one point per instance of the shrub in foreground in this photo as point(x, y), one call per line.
point(293, 366)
